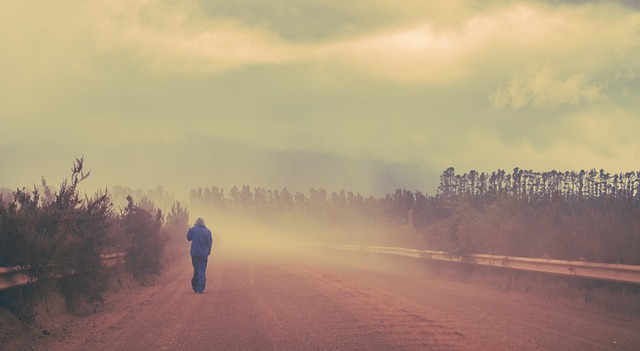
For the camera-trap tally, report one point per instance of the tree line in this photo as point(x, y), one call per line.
point(586, 215)
point(534, 186)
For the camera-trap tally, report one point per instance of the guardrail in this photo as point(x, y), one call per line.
point(13, 277)
point(621, 273)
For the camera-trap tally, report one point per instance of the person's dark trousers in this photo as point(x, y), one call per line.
point(199, 279)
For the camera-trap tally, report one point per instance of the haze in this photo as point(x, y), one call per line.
point(367, 96)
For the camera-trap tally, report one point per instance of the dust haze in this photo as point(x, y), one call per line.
point(278, 234)
point(244, 237)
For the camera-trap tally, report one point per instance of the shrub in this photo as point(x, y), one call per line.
point(144, 254)
point(177, 223)
point(62, 235)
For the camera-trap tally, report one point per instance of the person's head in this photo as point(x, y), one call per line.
point(200, 222)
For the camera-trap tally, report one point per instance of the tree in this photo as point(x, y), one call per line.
point(177, 222)
point(144, 255)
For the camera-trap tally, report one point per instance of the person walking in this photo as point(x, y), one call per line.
point(201, 241)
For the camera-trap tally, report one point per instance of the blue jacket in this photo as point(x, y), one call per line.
point(201, 240)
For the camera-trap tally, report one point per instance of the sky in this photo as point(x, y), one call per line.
point(363, 95)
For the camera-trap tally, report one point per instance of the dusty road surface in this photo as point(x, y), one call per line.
point(297, 301)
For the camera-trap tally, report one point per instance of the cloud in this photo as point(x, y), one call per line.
point(174, 38)
point(542, 87)
point(170, 38)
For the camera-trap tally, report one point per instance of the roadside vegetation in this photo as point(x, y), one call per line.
point(59, 238)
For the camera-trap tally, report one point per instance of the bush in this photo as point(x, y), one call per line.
point(144, 255)
point(177, 223)
point(60, 236)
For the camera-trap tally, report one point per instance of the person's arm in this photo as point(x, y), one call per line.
point(210, 242)
point(190, 235)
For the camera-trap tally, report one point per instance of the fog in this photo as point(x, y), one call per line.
point(240, 237)
point(247, 233)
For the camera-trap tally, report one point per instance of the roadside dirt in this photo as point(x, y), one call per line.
point(50, 316)
point(305, 301)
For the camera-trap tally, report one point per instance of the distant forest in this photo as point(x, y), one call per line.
point(587, 215)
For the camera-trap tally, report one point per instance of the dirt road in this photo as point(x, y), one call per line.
point(284, 301)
